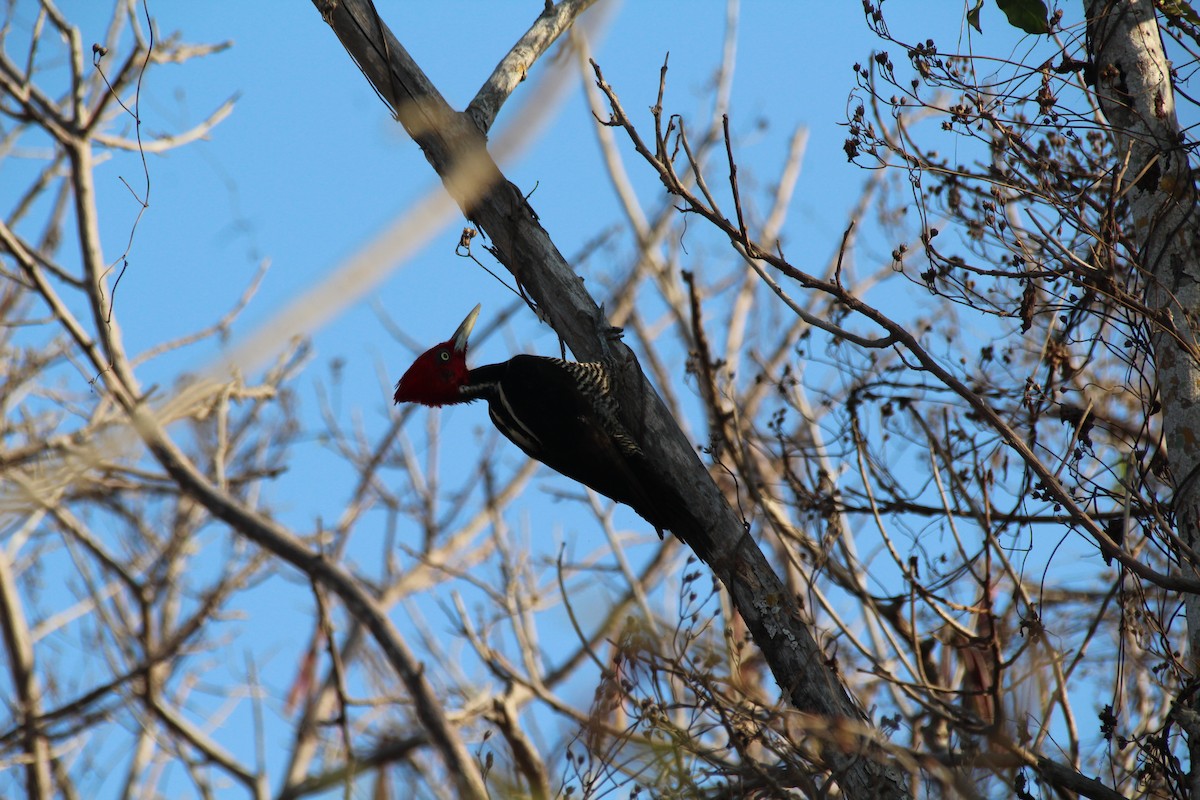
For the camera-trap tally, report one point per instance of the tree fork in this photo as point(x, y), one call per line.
point(456, 148)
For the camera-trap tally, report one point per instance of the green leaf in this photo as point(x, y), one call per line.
point(973, 16)
point(1031, 16)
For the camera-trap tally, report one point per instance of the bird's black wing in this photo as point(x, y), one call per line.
point(563, 414)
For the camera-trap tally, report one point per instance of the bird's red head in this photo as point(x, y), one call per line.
point(435, 377)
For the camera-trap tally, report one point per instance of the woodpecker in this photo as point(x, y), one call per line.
point(561, 413)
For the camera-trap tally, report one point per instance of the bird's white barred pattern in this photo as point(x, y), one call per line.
point(593, 378)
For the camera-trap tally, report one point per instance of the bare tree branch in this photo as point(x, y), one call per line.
point(456, 151)
point(512, 69)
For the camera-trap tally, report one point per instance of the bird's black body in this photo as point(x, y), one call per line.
point(563, 414)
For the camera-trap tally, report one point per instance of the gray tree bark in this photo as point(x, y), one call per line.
point(1134, 87)
point(456, 147)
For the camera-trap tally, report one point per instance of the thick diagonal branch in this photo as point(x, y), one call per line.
point(456, 149)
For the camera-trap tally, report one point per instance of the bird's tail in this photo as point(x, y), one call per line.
point(658, 502)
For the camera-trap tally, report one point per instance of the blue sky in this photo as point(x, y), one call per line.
point(309, 167)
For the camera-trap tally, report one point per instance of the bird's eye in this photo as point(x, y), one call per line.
point(444, 356)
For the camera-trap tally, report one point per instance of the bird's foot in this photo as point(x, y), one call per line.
point(608, 334)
